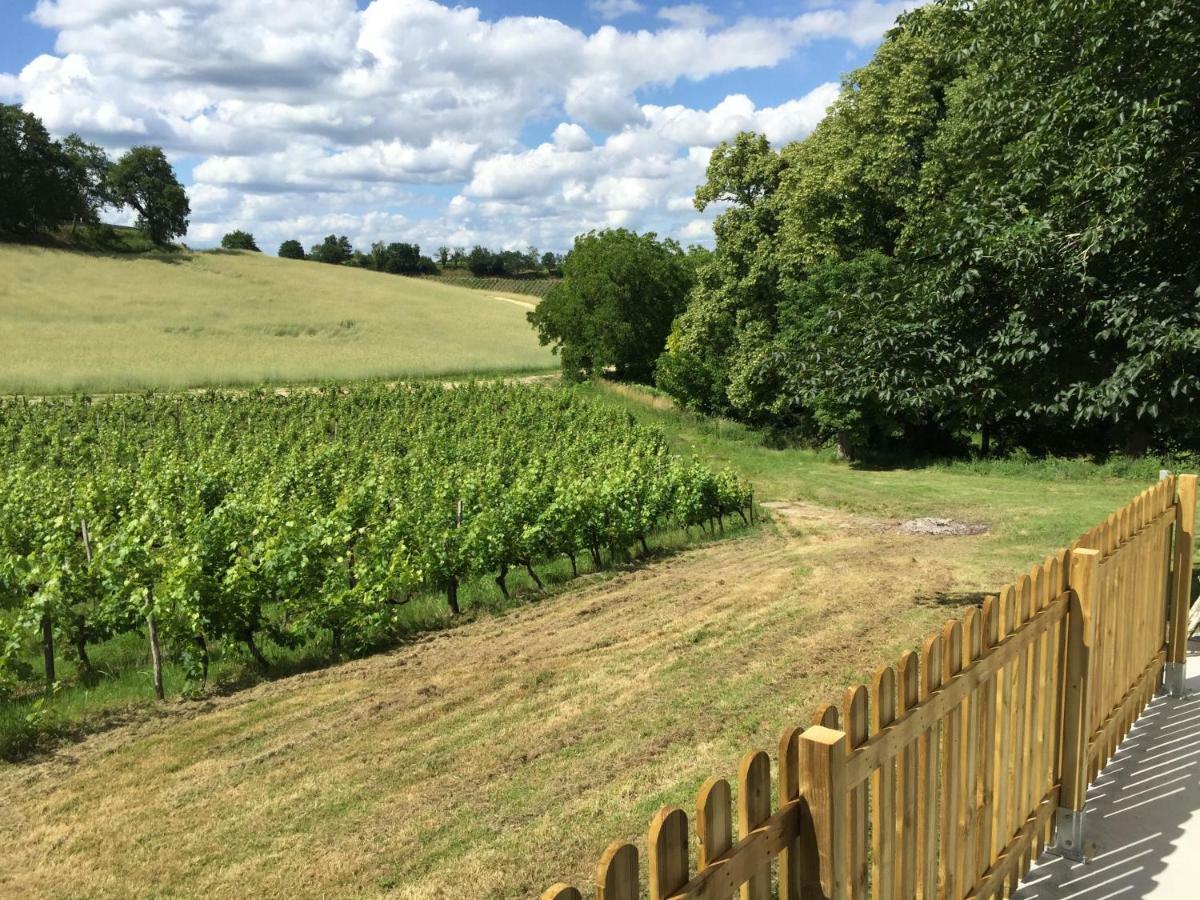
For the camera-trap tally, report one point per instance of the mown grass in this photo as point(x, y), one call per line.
point(116, 321)
point(1033, 506)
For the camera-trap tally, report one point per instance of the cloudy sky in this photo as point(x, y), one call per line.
point(507, 122)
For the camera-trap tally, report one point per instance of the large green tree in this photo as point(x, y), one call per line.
point(88, 167)
point(1056, 248)
point(35, 175)
point(144, 180)
point(994, 228)
point(841, 192)
point(613, 309)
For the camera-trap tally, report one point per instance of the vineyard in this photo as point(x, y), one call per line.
point(533, 287)
point(223, 518)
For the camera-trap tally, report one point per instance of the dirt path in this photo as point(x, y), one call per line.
point(523, 303)
point(490, 760)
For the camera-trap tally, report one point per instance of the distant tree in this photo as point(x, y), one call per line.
point(34, 175)
point(458, 257)
point(482, 262)
point(87, 176)
point(144, 180)
point(334, 250)
point(614, 307)
point(550, 262)
point(239, 240)
point(443, 256)
point(426, 266)
point(291, 249)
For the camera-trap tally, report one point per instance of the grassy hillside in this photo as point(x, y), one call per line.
point(73, 321)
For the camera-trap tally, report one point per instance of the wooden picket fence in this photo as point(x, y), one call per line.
point(942, 777)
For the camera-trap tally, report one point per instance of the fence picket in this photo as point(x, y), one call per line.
point(617, 875)
point(667, 852)
point(790, 859)
point(855, 716)
point(754, 808)
point(927, 777)
point(951, 869)
point(909, 695)
point(883, 790)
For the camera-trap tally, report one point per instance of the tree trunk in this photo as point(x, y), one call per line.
point(985, 440)
point(254, 651)
point(48, 649)
point(844, 445)
point(452, 595)
point(1137, 441)
point(574, 566)
point(155, 656)
point(532, 574)
point(335, 638)
point(502, 581)
point(645, 546)
point(596, 560)
point(81, 652)
point(203, 645)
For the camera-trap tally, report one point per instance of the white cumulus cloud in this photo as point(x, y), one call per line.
point(412, 117)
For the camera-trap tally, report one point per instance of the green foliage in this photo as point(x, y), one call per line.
point(239, 240)
point(398, 259)
point(35, 175)
point(334, 250)
point(292, 249)
point(87, 178)
point(144, 180)
point(614, 307)
point(232, 518)
point(996, 228)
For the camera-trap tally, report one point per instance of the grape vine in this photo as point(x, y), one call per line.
point(223, 517)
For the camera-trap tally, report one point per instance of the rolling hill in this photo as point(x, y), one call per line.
point(78, 321)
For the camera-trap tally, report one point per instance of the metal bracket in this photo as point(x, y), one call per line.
point(1175, 679)
point(1068, 840)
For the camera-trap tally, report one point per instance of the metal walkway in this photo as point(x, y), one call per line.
point(1143, 813)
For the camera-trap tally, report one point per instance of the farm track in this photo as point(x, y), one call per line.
point(493, 759)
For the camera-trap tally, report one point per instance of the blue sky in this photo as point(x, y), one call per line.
point(506, 122)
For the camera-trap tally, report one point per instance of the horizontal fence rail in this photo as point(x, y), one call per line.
point(951, 772)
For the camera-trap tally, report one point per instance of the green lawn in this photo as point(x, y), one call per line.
point(1033, 507)
point(81, 321)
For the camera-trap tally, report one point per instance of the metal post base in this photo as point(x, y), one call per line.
point(1175, 679)
point(1068, 839)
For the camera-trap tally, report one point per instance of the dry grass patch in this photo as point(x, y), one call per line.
point(493, 759)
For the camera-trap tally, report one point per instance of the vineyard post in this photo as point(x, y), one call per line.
point(48, 649)
point(155, 648)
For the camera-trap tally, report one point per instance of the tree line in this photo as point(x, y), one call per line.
point(406, 259)
point(993, 235)
point(46, 184)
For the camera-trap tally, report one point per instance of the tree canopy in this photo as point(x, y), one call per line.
point(994, 228)
point(291, 249)
point(144, 180)
point(613, 309)
point(239, 240)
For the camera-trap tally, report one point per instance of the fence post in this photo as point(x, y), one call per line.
point(826, 796)
point(1084, 581)
point(1181, 586)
